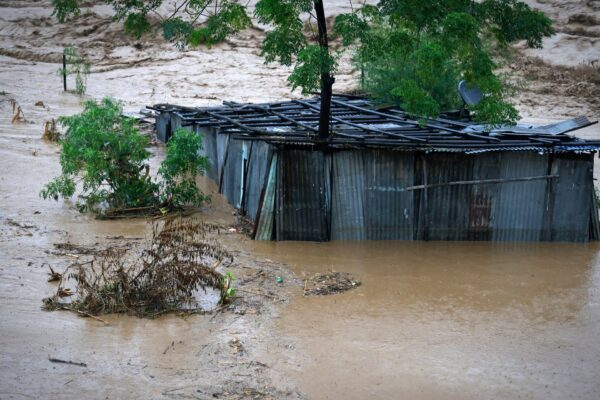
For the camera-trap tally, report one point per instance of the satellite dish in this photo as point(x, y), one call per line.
point(470, 95)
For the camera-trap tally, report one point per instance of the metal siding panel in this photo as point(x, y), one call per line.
point(483, 197)
point(573, 196)
point(163, 121)
point(210, 148)
point(388, 211)
point(232, 173)
point(176, 122)
point(302, 208)
point(222, 141)
point(203, 133)
point(447, 207)
point(348, 193)
point(518, 212)
point(264, 226)
point(255, 178)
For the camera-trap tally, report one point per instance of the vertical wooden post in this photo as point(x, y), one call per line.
point(64, 71)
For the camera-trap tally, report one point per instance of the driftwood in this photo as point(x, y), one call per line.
point(58, 360)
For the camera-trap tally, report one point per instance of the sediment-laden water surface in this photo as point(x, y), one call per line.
point(446, 320)
point(430, 320)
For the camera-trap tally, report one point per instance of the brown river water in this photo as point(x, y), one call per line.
point(430, 320)
point(447, 320)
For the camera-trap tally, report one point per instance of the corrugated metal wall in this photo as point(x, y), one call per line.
point(573, 194)
point(209, 140)
point(444, 211)
point(266, 216)
point(361, 194)
point(388, 208)
point(348, 196)
point(302, 199)
point(518, 208)
point(163, 126)
point(255, 177)
point(233, 168)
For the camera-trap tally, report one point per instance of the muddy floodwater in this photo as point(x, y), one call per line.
point(430, 320)
point(446, 320)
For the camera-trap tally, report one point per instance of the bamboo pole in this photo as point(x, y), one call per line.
point(475, 182)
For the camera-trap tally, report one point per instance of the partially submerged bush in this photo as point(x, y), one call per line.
point(105, 152)
point(180, 169)
point(78, 66)
point(180, 260)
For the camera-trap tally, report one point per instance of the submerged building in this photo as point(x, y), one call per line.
point(384, 176)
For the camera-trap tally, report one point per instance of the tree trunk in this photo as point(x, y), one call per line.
point(326, 79)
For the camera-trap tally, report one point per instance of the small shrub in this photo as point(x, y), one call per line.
point(104, 153)
point(78, 66)
point(180, 169)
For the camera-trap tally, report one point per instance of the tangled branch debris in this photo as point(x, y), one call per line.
point(51, 133)
point(329, 283)
point(18, 115)
point(165, 277)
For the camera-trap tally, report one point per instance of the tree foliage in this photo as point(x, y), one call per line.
point(180, 169)
point(414, 52)
point(104, 152)
point(411, 52)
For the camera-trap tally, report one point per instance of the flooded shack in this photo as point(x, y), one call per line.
point(383, 175)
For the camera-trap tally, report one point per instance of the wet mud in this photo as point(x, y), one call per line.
point(429, 320)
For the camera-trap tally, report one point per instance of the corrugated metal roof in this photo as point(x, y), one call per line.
point(360, 123)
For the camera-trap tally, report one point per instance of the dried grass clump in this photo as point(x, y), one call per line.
point(180, 259)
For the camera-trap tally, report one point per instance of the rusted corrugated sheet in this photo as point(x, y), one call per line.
point(266, 217)
point(573, 193)
point(348, 188)
point(519, 207)
point(302, 201)
point(255, 177)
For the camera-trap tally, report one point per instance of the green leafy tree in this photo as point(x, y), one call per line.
point(206, 22)
point(412, 52)
point(104, 153)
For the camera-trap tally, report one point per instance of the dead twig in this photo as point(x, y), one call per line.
point(58, 360)
point(257, 293)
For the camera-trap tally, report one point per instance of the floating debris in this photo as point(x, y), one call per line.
point(51, 134)
point(329, 283)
